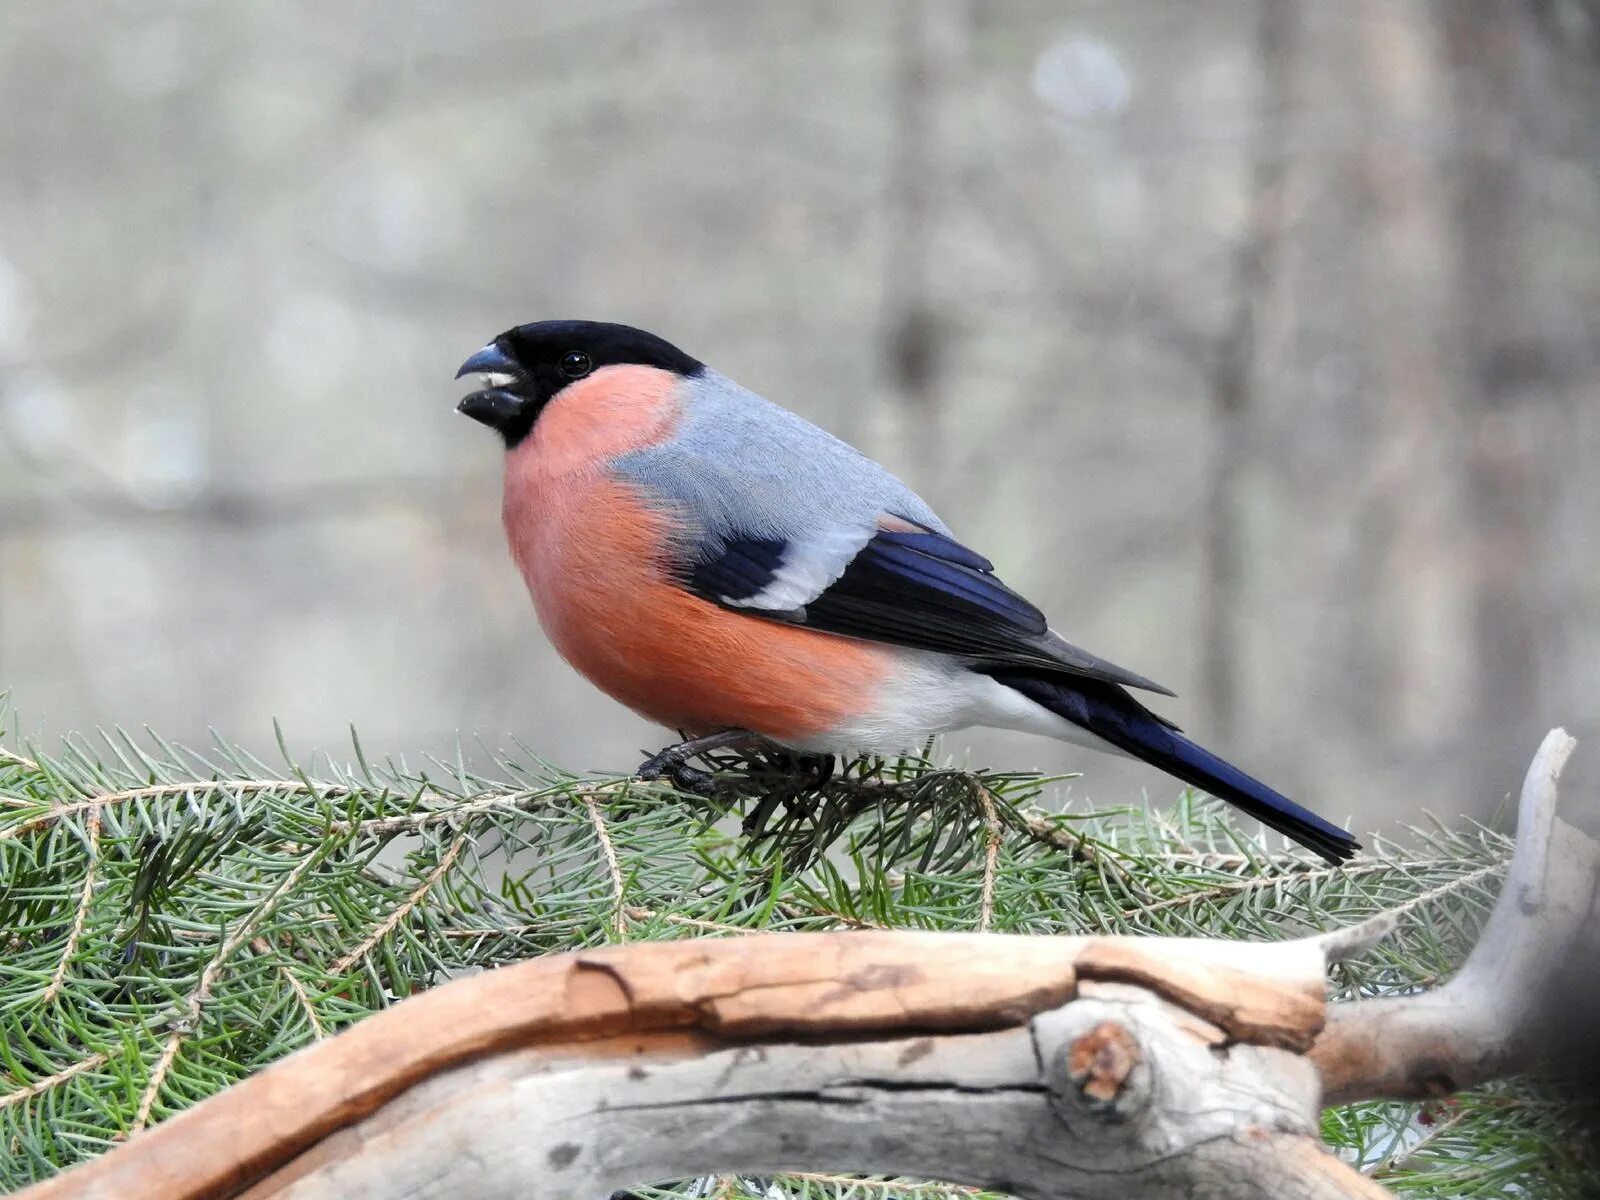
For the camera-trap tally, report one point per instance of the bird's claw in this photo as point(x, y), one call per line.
point(808, 771)
point(692, 780)
point(658, 764)
point(669, 764)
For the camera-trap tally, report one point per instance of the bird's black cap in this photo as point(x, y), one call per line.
point(525, 367)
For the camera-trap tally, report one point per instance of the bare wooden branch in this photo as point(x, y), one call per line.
point(1079, 1102)
point(1041, 1067)
point(748, 998)
point(1494, 1017)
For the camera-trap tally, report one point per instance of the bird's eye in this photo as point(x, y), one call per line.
point(575, 364)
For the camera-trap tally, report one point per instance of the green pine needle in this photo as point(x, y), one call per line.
point(173, 920)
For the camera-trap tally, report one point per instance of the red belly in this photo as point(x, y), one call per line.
point(592, 552)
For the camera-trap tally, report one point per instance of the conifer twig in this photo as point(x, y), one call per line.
point(17, 760)
point(1081, 848)
point(808, 907)
point(884, 1187)
point(991, 857)
point(188, 1019)
point(40, 1086)
point(458, 809)
point(158, 791)
point(264, 948)
point(402, 910)
point(635, 913)
point(1353, 939)
point(79, 918)
point(619, 918)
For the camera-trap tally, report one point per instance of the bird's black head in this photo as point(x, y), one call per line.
point(524, 368)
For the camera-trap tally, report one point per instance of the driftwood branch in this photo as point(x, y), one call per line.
point(1043, 1067)
point(1508, 1010)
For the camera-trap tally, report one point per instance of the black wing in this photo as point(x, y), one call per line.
point(912, 588)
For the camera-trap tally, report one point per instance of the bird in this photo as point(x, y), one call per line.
point(728, 569)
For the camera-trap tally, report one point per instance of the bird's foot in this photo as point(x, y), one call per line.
point(808, 770)
point(672, 763)
point(789, 778)
point(693, 782)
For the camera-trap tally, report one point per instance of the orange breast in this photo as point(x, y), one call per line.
point(593, 552)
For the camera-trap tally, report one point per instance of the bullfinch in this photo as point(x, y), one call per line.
point(726, 568)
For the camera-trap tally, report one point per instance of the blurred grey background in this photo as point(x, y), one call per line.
point(1258, 340)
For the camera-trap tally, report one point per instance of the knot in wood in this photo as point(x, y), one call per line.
point(1100, 1062)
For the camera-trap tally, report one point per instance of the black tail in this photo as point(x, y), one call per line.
point(1109, 712)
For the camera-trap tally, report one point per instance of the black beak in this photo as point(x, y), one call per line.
point(491, 360)
point(494, 406)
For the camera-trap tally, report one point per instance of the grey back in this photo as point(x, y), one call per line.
point(741, 466)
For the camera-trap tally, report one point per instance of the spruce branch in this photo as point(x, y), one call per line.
point(260, 946)
point(41, 1086)
point(186, 1022)
point(991, 857)
point(79, 918)
point(172, 921)
point(619, 885)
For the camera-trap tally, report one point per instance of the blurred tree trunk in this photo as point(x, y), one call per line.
point(1402, 576)
point(1567, 108)
point(1234, 369)
point(930, 47)
point(1505, 376)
